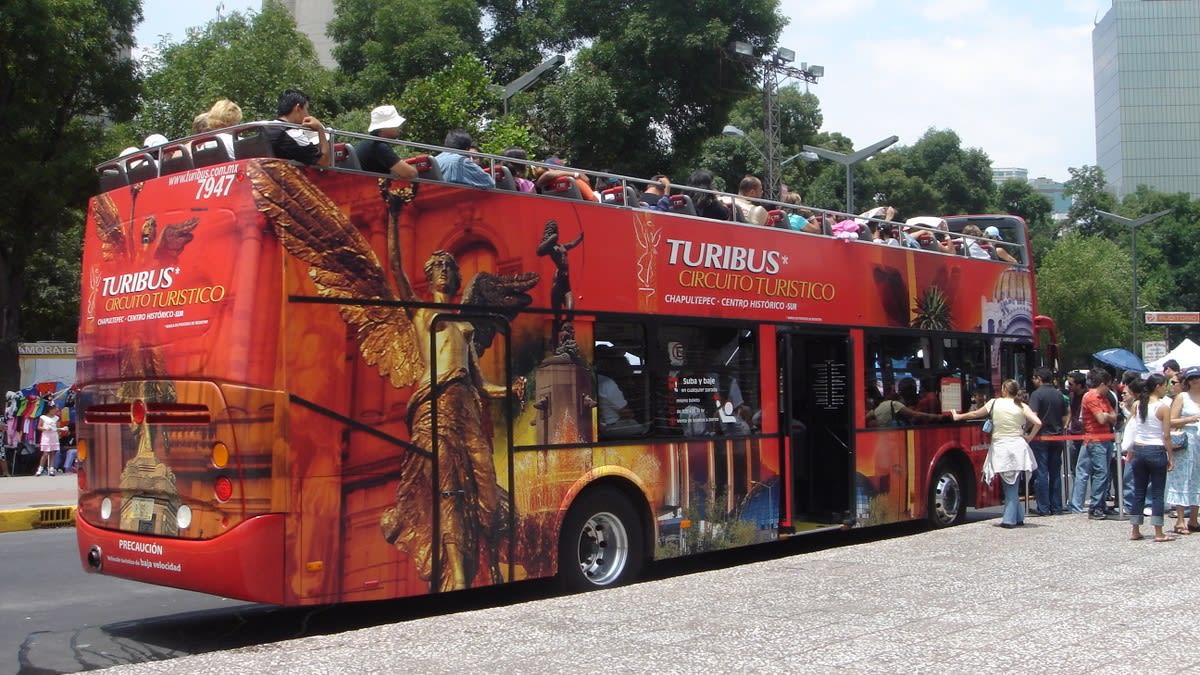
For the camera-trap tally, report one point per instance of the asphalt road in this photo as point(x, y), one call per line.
point(56, 618)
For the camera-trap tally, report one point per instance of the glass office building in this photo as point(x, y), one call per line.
point(1146, 67)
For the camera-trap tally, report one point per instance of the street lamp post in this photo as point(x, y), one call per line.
point(776, 67)
point(805, 155)
point(525, 81)
point(1133, 226)
point(849, 161)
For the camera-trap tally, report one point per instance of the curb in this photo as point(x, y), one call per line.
point(36, 517)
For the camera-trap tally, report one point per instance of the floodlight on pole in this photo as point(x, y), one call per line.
point(775, 67)
point(526, 81)
point(1133, 226)
point(849, 161)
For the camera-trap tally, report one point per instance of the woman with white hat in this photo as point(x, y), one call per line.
point(379, 156)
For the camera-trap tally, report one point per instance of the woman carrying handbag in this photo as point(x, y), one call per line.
point(1009, 453)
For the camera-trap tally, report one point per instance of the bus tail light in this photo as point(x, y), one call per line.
point(223, 488)
point(137, 411)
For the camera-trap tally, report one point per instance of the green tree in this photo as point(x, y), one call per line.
point(62, 70)
point(934, 176)
point(669, 65)
point(1084, 283)
point(456, 96)
point(1087, 190)
point(247, 58)
point(382, 44)
point(1019, 198)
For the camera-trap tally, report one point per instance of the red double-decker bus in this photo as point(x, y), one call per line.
point(303, 385)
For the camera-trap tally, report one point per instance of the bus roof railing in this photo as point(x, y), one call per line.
point(248, 140)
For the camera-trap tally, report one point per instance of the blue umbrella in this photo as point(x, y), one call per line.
point(1121, 358)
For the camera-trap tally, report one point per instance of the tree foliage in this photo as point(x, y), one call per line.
point(62, 69)
point(383, 44)
point(247, 58)
point(1086, 188)
point(455, 97)
point(1084, 284)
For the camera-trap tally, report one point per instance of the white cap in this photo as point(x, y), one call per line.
point(129, 151)
point(385, 117)
point(154, 140)
point(992, 231)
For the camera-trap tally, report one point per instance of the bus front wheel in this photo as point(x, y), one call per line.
point(947, 496)
point(601, 543)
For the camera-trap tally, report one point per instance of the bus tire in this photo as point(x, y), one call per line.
point(601, 543)
point(947, 495)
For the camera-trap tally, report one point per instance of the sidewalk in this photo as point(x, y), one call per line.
point(27, 502)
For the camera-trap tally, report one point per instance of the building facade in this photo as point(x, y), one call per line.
point(1003, 174)
point(1146, 69)
point(312, 16)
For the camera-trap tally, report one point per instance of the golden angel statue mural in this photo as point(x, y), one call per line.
point(396, 339)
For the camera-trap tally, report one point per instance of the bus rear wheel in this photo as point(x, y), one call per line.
point(947, 496)
point(601, 543)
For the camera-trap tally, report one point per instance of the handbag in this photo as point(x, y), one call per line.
point(1179, 441)
point(987, 425)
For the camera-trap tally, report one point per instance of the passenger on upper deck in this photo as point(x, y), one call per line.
point(519, 171)
point(457, 168)
point(751, 187)
point(797, 215)
point(993, 232)
point(544, 177)
point(310, 144)
point(378, 156)
point(656, 193)
point(224, 113)
point(973, 248)
point(707, 204)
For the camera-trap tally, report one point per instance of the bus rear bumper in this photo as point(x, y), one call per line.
point(245, 563)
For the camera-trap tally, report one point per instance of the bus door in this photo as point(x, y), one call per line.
point(1016, 362)
point(815, 414)
point(471, 511)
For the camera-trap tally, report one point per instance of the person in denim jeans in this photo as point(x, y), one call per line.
point(1051, 408)
point(1098, 418)
point(1147, 444)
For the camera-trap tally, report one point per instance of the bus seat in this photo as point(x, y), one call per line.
point(175, 158)
point(140, 166)
point(777, 218)
point(252, 142)
point(345, 157)
point(503, 176)
point(682, 204)
point(426, 167)
point(209, 150)
point(621, 196)
point(112, 175)
point(563, 186)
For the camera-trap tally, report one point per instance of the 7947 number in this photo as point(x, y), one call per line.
point(214, 186)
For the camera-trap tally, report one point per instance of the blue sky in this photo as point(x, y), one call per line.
point(1012, 77)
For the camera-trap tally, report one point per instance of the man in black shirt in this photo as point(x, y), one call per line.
point(1051, 407)
point(379, 156)
point(310, 144)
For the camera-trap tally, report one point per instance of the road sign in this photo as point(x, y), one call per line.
point(1153, 350)
point(1172, 317)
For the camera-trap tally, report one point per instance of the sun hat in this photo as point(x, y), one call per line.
point(385, 117)
point(154, 140)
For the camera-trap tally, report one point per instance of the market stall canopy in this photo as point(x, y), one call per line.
point(1121, 358)
point(1187, 353)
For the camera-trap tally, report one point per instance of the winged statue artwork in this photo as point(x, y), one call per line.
point(395, 339)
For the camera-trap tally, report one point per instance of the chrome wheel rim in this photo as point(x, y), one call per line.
point(603, 549)
point(947, 498)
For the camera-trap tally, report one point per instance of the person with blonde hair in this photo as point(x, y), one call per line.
point(1009, 453)
point(223, 113)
